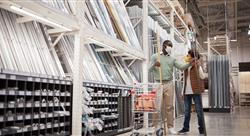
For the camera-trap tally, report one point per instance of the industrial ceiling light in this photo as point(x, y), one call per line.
point(215, 38)
point(233, 40)
point(205, 42)
point(248, 32)
point(21, 10)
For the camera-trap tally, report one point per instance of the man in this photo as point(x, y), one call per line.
point(193, 87)
point(167, 63)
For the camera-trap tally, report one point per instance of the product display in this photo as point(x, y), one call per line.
point(103, 49)
point(24, 48)
point(219, 88)
point(105, 113)
point(34, 107)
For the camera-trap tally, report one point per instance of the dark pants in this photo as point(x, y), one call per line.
point(198, 108)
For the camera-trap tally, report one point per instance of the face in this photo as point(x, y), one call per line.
point(168, 49)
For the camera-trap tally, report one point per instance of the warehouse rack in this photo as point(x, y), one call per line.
point(244, 80)
point(112, 104)
point(34, 105)
point(66, 24)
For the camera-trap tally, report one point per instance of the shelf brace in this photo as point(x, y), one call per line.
point(24, 19)
point(132, 62)
point(103, 50)
point(132, 18)
point(137, 23)
point(127, 3)
point(57, 40)
point(128, 58)
point(215, 50)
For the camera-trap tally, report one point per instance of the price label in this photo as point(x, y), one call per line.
point(3, 76)
point(10, 118)
point(44, 80)
point(56, 125)
point(11, 92)
point(19, 117)
point(1, 118)
point(50, 115)
point(36, 116)
point(20, 105)
point(37, 79)
point(50, 93)
point(50, 81)
point(12, 77)
point(11, 105)
point(27, 117)
point(28, 92)
point(35, 128)
point(29, 79)
point(21, 92)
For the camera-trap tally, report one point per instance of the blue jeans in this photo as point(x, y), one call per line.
point(199, 110)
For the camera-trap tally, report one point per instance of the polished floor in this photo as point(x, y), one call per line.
point(219, 124)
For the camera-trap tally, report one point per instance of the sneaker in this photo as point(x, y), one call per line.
point(201, 132)
point(159, 132)
point(172, 131)
point(183, 131)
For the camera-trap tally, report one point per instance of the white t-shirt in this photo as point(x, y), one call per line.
point(188, 83)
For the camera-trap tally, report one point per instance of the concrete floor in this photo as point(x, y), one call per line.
point(219, 124)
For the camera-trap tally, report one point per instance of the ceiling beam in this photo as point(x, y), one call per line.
point(212, 3)
point(244, 24)
point(223, 19)
point(222, 32)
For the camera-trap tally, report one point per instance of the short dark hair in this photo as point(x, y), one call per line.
point(167, 43)
point(194, 54)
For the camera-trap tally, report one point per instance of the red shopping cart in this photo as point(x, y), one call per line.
point(147, 98)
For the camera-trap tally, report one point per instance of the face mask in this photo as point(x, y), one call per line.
point(168, 50)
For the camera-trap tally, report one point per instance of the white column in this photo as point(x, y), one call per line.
point(78, 75)
point(172, 22)
point(145, 49)
point(77, 86)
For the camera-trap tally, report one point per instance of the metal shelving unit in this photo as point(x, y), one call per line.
point(73, 25)
point(34, 105)
point(109, 100)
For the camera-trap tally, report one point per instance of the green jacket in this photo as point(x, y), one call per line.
point(167, 65)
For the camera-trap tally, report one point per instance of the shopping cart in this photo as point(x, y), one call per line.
point(147, 98)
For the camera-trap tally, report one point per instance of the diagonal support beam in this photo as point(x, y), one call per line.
point(57, 40)
point(127, 2)
point(131, 63)
point(135, 25)
point(24, 19)
point(103, 50)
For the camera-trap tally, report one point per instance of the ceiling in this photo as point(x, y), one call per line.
point(212, 15)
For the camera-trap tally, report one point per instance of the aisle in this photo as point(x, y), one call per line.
point(220, 124)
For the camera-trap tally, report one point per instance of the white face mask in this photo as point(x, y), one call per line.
point(168, 50)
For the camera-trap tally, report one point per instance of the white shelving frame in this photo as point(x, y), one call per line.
point(85, 34)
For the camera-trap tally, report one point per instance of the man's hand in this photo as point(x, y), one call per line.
point(157, 64)
point(181, 97)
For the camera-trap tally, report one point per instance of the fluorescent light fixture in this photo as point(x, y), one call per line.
point(248, 32)
point(233, 40)
point(215, 38)
point(21, 10)
point(205, 42)
point(101, 44)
